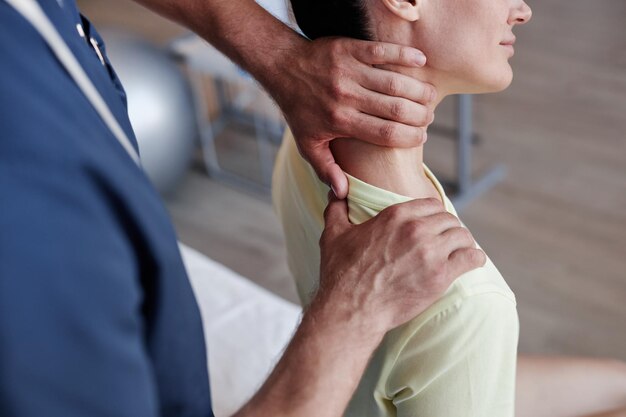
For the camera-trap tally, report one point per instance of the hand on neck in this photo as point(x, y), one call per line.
point(399, 170)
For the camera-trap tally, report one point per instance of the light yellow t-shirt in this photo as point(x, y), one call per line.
point(456, 359)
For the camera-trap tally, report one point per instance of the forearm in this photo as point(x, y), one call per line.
point(242, 30)
point(320, 368)
point(562, 385)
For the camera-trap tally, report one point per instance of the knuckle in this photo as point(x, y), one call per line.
point(479, 257)
point(460, 235)
point(336, 48)
point(324, 238)
point(438, 274)
point(335, 116)
point(388, 132)
point(433, 203)
point(376, 51)
point(395, 212)
point(335, 61)
point(467, 236)
point(337, 86)
point(398, 110)
point(416, 229)
point(450, 218)
point(394, 86)
point(473, 258)
point(425, 254)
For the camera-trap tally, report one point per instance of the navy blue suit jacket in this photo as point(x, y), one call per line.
point(97, 315)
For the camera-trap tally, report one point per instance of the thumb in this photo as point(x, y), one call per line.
point(336, 215)
point(323, 162)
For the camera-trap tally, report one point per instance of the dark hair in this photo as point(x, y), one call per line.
point(319, 18)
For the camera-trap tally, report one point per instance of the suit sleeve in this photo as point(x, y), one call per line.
point(461, 362)
point(71, 330)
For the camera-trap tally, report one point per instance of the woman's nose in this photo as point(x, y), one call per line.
point(520, 14)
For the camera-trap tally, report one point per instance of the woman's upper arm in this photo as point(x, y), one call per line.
point(461, 362)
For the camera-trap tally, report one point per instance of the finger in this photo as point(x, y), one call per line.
point(335, 216)
point(383, 132)
point(465, 260)
point(456, 238)
point(338, 181)
point(396, 109)
point(323, 162)
point(414, 209)
point(395, 84)
point(376, 53)
point(441, 222)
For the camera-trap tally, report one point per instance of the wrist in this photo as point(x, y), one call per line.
point(280, 66)
point(264, 49)
point(322, 365)
point(336, 312)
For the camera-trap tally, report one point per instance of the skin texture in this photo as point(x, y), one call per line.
point(466, 56)
point(462, 39)
point(328, 88)
point(358, 302)
point(570, 387)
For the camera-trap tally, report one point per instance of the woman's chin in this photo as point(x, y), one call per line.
point(496, 88)
point(492, 83)
point(500, 80)
point(479, 81)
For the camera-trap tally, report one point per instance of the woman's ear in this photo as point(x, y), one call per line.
point(404, 9)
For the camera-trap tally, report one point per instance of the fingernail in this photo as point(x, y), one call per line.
point(425, 137)
point(420, 59)
point(332, 187)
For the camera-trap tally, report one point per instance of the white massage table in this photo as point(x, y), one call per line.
point(246, 329)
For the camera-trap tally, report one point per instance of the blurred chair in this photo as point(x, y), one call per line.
point(236, 93)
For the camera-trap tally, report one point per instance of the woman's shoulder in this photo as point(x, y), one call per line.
point(476, 318)
point(477, 299)
point(473, 294)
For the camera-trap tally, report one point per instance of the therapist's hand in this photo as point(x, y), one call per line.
point(331, 88)
point(389, 269)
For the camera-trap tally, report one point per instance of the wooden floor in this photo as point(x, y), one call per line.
point(555, 227)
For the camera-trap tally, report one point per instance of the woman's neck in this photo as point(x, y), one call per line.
point(399, 170)
point(396, 170)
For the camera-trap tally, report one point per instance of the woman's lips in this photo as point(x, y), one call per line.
point(510, 40)
point(508, 45)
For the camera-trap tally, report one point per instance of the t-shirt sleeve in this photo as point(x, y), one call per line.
point(71, 328)
point(460, 362)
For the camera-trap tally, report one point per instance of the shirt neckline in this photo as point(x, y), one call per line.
point(378, 198)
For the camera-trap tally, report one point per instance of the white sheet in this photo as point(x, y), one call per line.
point(245, 326)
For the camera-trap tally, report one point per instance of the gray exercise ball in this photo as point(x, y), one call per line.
point(160, 106)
